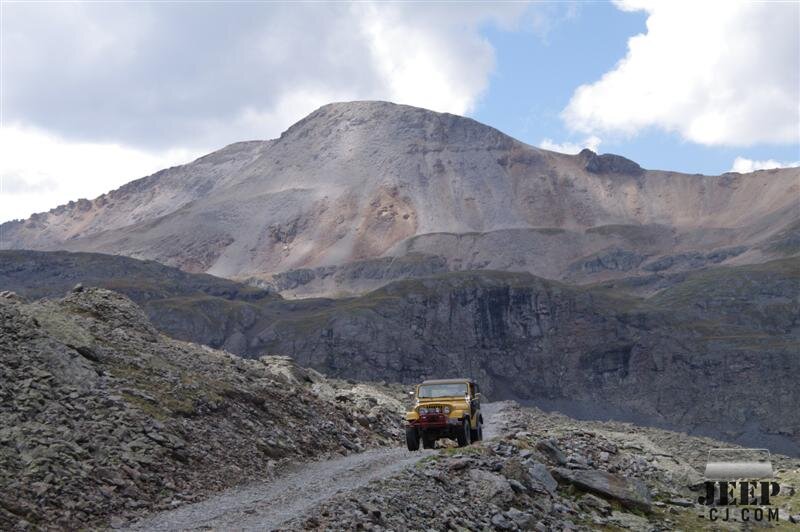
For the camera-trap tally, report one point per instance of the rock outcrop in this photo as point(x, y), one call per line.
point(609, 164)
point(102, 416)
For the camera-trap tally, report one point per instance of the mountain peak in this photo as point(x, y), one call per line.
point(392, 122)
point(362, 181)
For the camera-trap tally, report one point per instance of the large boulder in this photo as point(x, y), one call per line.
point(550, 448)
point(488, 486)
point(631, 493)
point(541, 479)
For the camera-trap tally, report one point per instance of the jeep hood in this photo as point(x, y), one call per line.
point(441, 400)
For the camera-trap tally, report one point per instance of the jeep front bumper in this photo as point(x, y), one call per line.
point(434, 421)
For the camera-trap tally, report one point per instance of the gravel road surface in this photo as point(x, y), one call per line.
point(266, 505)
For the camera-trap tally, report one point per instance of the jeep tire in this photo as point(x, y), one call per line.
point(463, 436)
point(412, 438)
point(477, 434)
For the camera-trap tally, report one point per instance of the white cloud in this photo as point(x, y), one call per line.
point(744, 165)
point(717, 73)
point(99, 94)
point(592, 142)
point(39, 170)
point(196, 75)
point(425, 62)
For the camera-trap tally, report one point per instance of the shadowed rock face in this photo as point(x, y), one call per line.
point(609, 164)
point(366, 181)
point(659, 360)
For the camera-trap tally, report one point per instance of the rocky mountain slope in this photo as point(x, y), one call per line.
point(360, 193)
point(102, 417)
point(595, 351)
point(550, 472)
point(37, 274)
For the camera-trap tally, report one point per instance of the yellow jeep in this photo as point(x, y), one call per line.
point(448, 408)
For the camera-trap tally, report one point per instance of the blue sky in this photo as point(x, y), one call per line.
point(97, 94)
point(536, 75)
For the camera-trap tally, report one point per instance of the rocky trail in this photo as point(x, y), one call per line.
point(266, 505)
point(295, 493)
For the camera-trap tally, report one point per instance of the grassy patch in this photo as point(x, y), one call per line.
point(148, 407)
point(179, 400)
point(62, 328)
point(427, 460)
point(468, 450)
point(726, 283)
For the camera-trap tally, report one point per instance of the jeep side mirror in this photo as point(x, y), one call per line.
point(478, 396)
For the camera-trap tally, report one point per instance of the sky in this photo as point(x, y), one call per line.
point(93, 95)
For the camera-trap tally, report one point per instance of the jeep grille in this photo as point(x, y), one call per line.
point(431, 409)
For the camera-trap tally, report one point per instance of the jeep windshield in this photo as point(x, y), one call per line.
point(430, 391)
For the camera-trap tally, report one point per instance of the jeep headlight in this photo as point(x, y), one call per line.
point(423, 410)
point(447, 410)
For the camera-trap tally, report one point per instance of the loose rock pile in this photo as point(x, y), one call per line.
point(102, 416)
point(546, 472)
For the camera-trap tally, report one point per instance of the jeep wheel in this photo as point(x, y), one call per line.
point(412, 439)
point(463, 436)
point(428, 441)
point(477, 434)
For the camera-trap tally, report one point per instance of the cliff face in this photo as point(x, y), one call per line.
point(713, 351)
point(365, 183)
point(719, 362)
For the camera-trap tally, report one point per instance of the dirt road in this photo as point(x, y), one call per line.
point(266, 505)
